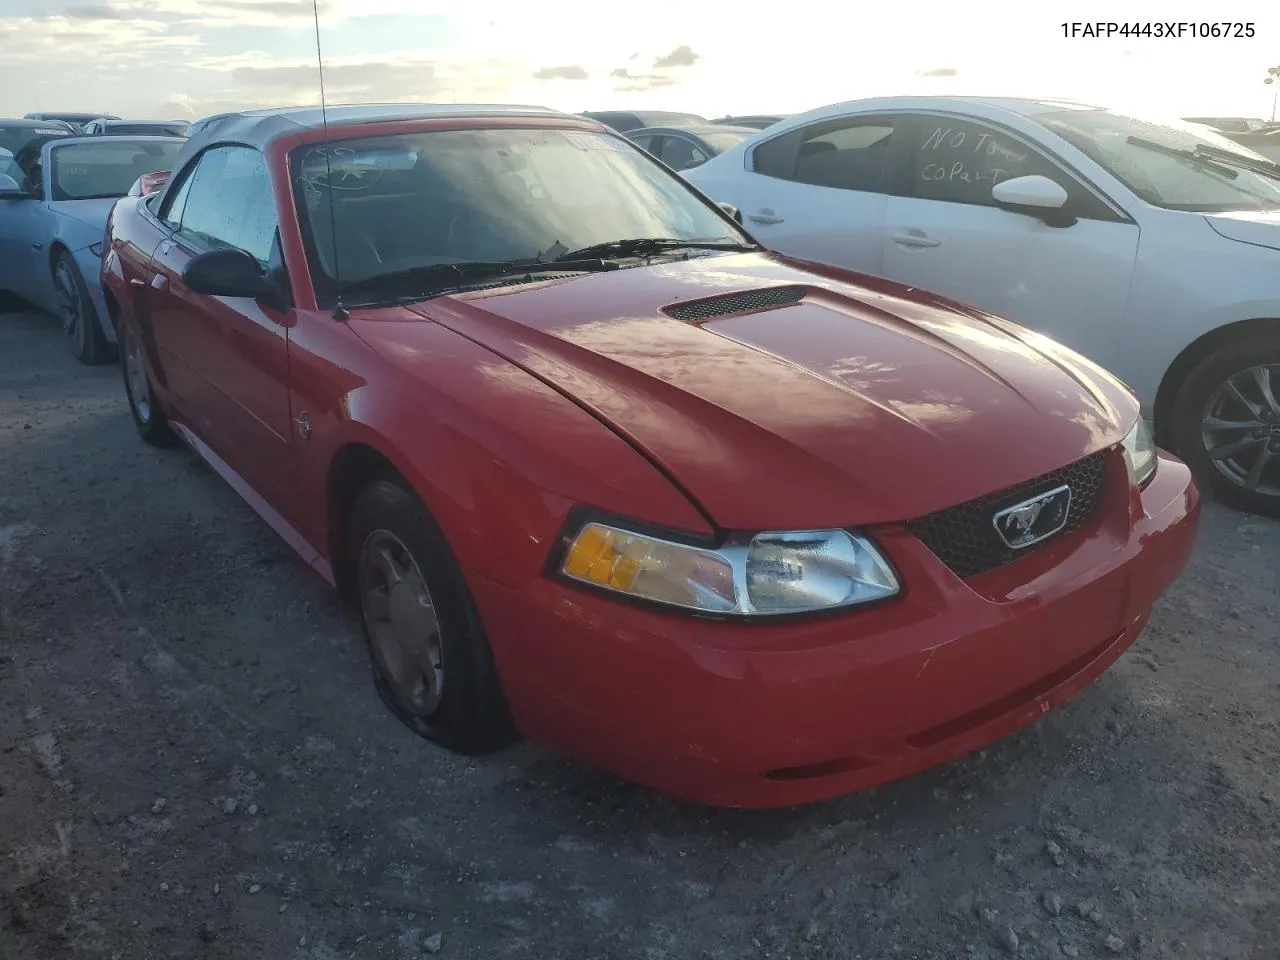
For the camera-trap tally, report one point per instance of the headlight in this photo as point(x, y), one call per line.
point(770, 573)
point(1140, 451)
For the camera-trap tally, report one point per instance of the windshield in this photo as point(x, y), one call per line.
point(108, 167)
point(1158, 163)
point(409, 201)
point(15, 138)
point(720, 141)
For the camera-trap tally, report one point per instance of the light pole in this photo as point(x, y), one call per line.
point(1273, 78)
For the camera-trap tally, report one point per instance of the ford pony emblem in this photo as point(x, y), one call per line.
point(1033, 520)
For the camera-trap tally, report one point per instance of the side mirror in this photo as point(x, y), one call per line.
point(731, 210)
point(1034, 195)
point(229, 273)
point(9, 189)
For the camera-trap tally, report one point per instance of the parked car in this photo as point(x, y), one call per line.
point(52, 216)
point(1154, 250)
point(597, 468)
point(683, 147)
point(755, 121)
point(74, 120)
point(16, 134)
point(1265, 142)
point(137, 128)
point(198, 125)
point(1229, 125)
point(625, 120)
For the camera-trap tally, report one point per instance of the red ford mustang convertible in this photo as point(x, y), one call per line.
point(600, 470)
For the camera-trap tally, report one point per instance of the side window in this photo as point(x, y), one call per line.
point(644, 143)
point(681, 154)
point(959, 161)
point(848, 153)
point(230, 202)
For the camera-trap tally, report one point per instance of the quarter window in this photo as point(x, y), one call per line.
point(228, 202)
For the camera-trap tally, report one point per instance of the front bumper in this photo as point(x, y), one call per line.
point(774, 714)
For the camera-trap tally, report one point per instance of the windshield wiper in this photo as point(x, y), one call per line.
point(435, 278)
point(1268, 168)
point(638, 246)
point(1194, 156)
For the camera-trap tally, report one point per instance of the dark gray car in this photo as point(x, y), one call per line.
point(757, 121)
point(681, 148)
point(626, 120)
point(136, 128)
point(75, 121)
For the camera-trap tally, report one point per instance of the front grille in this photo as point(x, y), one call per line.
point(965, 539)
point(699, 311)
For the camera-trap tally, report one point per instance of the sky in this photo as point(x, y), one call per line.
point(160, 59)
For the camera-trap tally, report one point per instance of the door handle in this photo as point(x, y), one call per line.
point(159, 281)
point(37, 245)
point(915, 240)
point(764, 216)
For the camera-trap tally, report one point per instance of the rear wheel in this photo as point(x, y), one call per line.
point(76, 311)
point(432, 664)
point(149, 419)
point(1227, 424)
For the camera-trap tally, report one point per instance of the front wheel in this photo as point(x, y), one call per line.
point(79, 317)
point(432, 664)
point(149, 419)
point(1227, 424)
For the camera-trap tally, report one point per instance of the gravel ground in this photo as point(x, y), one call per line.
point(194, 763)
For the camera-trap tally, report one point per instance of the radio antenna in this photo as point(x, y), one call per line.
point(339, 312)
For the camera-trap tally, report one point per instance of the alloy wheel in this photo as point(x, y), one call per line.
point(70, 305)
point(403, 626)
point(1240, 429)
point(135, 369)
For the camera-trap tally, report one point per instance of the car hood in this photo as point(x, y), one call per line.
point(92, 213)
point(780, 397)
point(1262, 229)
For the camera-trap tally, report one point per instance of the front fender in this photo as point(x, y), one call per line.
point(498, 457)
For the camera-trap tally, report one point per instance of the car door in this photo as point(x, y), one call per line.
point(945, 233)
point(226, 357)
point(26, 225)
point(819, 191)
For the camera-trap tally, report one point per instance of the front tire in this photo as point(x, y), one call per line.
point(432, 664)
point(1226, 424)
point(80, 323)
point(148, 417)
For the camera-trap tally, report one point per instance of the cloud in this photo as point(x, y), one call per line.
point(107, 11)
point(572, 72)
point(938, 72)
point(682, 56)
point(649, 82)
point(252, 79)
point(179, 106)
point(86, 42)
point(640, 81)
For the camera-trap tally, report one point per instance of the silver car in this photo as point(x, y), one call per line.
point(55, 197)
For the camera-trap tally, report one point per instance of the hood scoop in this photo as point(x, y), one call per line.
point(723, 305)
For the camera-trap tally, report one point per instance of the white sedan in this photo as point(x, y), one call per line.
point(1152, 249)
